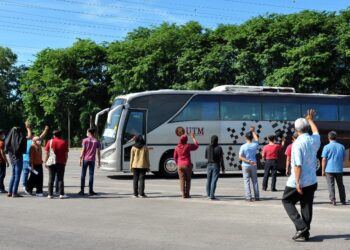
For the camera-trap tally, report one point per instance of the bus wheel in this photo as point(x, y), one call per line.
point(168, 166)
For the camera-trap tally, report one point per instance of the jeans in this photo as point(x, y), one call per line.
point(56, 170)
point(270, 166)
point(36, 181)
point(185, 174)
point(213, 172)
point(91, 166)
point(331, 186)
point(291, 197)
point(2, 176)
point(17, 166)
point(139, 181)
point(25, 173)
point(249, 173)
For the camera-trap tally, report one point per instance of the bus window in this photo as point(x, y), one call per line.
point(135, 125)
point(324, 112)
point(273, 111)
point(239, 110)
point(344, 112)
point(200, 108)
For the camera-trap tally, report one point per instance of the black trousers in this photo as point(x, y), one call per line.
point(36, 181)
point(291, 197)
point(331, 186)
point(270, 166)
point(139, 181)
point(56, 170)
point(2, 176)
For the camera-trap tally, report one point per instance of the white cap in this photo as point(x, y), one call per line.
point(301, 124)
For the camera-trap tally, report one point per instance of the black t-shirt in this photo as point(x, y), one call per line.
point(216, 156)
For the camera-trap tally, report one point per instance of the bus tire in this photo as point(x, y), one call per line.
point(167, 165)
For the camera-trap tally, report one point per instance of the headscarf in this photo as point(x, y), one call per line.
point(15, 143)
point(139, 142)
point(213, 144)
point(182, 145)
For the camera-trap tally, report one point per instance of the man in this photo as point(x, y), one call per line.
point(288, 153)
point(3, 162)
point(333, 155)
point(91, 146)
point(60, 149)
point(26, 160)
point(247, 154)
point(302, 183)
point(270, 154)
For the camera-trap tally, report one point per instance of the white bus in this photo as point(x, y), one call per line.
point(226, 111)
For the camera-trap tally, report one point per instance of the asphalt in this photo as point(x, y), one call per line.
point(115, 220)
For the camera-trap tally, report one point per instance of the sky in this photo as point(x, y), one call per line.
point(28, 26)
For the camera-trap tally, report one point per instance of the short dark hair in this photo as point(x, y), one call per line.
point(57, 133)
point(271, 137)
point(332, 135)
point(91, 131)
point(249, 136)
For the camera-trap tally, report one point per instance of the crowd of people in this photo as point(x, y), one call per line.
point(25, 153)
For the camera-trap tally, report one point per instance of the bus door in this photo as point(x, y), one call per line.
point(136, 124)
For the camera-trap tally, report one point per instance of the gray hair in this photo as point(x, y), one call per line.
point(301, 125)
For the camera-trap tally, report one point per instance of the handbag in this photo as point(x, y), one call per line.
point(52, 157)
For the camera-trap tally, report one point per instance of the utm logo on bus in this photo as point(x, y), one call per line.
point(196, 130)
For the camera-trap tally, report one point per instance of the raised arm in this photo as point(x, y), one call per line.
point(310, 118)
point(195, 145)
point(29, 130)
point(44, 133)
point(255, 135)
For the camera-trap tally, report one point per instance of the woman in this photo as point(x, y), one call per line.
point(139, 165)
point(36, 165)
point(182, 157)
point(15, 146)
point(215, 157)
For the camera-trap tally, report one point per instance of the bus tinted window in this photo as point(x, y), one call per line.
point(273, 111)
point(344, 112)
point(232, 109)
point(200, 108)
point(324, 112)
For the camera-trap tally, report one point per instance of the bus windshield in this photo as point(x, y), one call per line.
point(111, 128)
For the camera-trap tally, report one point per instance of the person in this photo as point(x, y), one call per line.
point(3, 162)
point(15, 146)
point(302, 183)
point(36, 177)
point(270, 155)
point(60, 149)
point(247, 154)
point(139, 165)
point(288, 153)
point(333, 155)
point(182, 157)
point(26, 158)
point(215, 157)
point(91, 147)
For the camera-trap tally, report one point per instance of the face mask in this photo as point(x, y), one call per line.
point(38, 142)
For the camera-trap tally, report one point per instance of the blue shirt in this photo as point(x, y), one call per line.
point(334, 152)
point(26, 155)
point(304, 154)
point(248, 151)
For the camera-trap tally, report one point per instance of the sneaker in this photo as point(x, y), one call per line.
point(63, 196)
point(50, 197)
point(40, 195)
point(81, 193)
point(9, 195)
point(26, 191)
point(92, 193)
point(135, 196)
point(144, 196)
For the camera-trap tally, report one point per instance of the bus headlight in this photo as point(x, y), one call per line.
point(108, 153)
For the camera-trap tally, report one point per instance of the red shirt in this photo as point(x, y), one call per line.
point(2, 147)
point(270, 152)
point(60, 147)
point(182, 154)
point(289, 150)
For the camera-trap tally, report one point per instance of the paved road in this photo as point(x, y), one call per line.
point(114, 220)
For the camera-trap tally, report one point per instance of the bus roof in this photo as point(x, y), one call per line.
point(222, 91)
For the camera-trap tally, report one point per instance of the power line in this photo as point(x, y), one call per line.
point(265, 4)
point(43, 28)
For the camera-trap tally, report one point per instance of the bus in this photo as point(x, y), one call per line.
point(227, 111)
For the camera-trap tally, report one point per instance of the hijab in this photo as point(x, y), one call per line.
point(213, 144)
point(139, 142)
point(182, 145)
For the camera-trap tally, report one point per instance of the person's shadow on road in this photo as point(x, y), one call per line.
point(321, 238)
